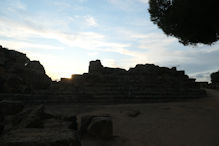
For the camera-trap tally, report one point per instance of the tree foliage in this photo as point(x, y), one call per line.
point(191, 21)
point(215, 77)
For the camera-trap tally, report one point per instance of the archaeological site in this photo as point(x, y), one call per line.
point(144, 105)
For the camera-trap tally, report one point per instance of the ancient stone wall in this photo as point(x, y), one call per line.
point(20, 75)
point(146, 82)
point(143, 83)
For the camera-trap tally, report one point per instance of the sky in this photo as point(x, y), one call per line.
point(65, 35)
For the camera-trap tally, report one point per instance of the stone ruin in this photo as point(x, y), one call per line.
point(24, 126)
point(35, 125)
point(22, 79)
point(20, 75)
point(142, 83)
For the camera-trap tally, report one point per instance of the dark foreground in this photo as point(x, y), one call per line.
point(190, 123)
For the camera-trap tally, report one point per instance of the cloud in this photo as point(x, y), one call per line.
point(16, 5)
point(153, 40)
point(84, 20)
point(202, 76)
point(143, 1)
point(151, 47)
point(91, 21)
point(93, 54)
point(12, 44)
point(123, 51)
point(109, 63)
point(84, 40)
point(141, 48)
point(72, 5)
point(159, 49)
point(128, 5)
point(129, 47)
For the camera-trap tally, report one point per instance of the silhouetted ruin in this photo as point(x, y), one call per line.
point(143, 83)
point(28, 117)
point(20, 75)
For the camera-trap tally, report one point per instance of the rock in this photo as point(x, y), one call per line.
point(2, 58)
point(113, 71)
point(14, 84)
point(40, 137)
point(34, 118)
point(73, 125)
point(20, 75)
point(101, 127)
point(85, 121)
point(36, 80)
point(97, 126)
point(1, 128)
point(1, 118)
point(30, 116)
point(142, 83)
point(69, 118)
point(95, 66)
point(73, 122)
point(17, 57)
point(134, 113)
point(36, 67)
point(55, 123)
point(173, 68)
point(18, 118)
point(10, 107)
point(1, 123)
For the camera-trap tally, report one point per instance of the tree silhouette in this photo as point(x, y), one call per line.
point(215, 77)
point(191, 21)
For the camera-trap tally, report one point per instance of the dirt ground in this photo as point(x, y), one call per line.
point(190, 123)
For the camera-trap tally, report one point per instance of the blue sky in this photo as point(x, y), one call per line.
point(65, 35)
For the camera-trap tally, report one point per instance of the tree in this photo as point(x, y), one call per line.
point(191, 21)
point(215, 77)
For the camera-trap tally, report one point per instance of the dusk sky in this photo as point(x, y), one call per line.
point(64, 35)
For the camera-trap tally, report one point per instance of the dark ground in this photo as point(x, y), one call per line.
point(190, 123)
